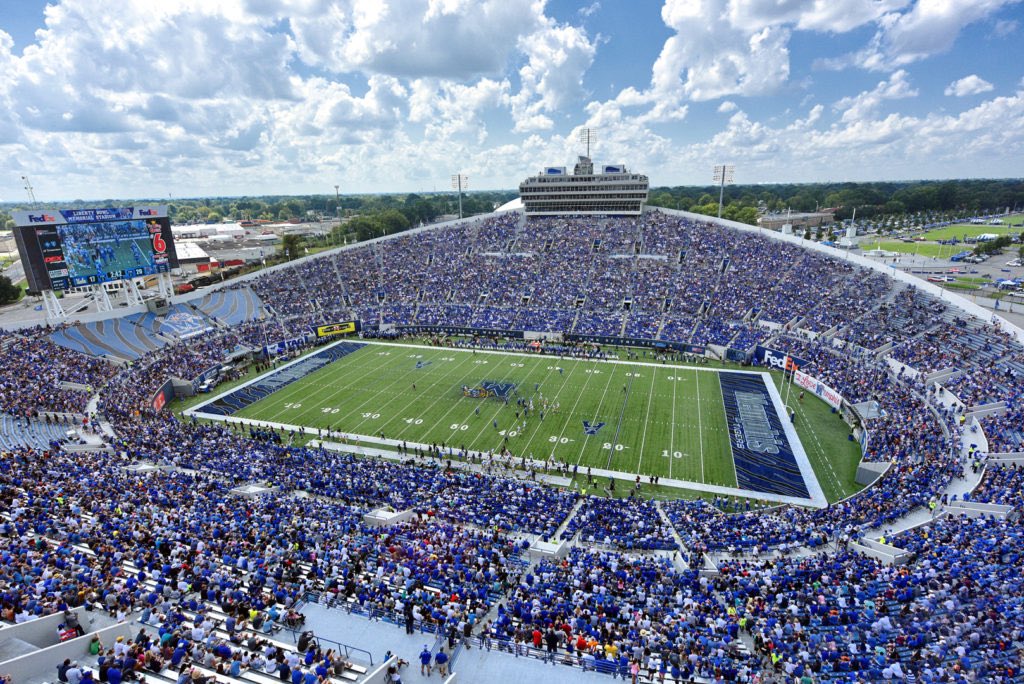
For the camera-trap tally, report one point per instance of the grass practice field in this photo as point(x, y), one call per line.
point(660, 420)
point(925, 249)
point(1011, 225)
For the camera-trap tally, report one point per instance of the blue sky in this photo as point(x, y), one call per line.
point(130, 98)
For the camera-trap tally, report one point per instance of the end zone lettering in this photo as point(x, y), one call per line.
point(337, 329)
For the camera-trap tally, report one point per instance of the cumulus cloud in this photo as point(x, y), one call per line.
point(458, 39)
point(901, 145)
point(928, 27)
point(1005, 27)
point(968, 85)
point(558, 55)
point(233, 96)
point(865, 104)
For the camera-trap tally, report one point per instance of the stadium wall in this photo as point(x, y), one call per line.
point(27, 667)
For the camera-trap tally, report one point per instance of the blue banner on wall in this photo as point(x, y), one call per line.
point(761, 452)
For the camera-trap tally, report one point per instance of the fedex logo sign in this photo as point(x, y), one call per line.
point(147, 212)
point(41, 218)
point(776, 359)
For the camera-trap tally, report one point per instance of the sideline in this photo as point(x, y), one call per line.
point(816, 500)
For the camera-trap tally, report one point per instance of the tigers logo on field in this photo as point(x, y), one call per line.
point(475, 392)
point(592, 428)
point(487, 388)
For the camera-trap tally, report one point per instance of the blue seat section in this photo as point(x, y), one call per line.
point(760, 450)
point(15, 433)
point(150, 322)
point(264, 387)
point(184, 321)
point(231, 307)
point(69, 339)
point(116, 337)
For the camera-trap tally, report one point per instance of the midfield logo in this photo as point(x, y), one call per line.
point(489, 389)
point(498, 389)
point(591, 428)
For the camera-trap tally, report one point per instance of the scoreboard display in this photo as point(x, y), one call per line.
point(69, 248)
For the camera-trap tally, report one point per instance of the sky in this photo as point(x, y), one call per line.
point(182, 98)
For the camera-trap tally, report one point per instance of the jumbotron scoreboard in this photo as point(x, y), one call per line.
point(67, 248)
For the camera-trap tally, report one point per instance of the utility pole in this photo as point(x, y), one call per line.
point(460, 182)
point(723, 173)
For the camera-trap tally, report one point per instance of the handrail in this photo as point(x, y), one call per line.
point(340, 646)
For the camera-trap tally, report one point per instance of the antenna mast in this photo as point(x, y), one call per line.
point(31, 192)
point(587, 136)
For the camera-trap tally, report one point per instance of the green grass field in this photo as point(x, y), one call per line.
point(925, 249)
point(669, 421)
point(971, 230)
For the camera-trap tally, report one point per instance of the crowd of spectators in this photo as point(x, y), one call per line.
point(82, 530)
point(620, 614)
point(34, 369)
point(625, 524)
point(650, 277)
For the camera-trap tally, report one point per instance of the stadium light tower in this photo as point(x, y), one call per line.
point(588, 136)
point(460, 182)
point(723, 175)
point(28, 188)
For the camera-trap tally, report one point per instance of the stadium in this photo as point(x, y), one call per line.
point(659, 446)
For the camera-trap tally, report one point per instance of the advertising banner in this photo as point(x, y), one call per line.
point(337, 329)
point(773, 358)
point(820, 389)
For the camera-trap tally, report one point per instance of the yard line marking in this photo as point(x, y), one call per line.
point(451, 369)
point(672, 432)
point(301, 388)
point(647, 417)
point(618, 426)
point(732, 457)
point(579, 395)
point(604, 395)
point(508, 373)
point(700, 428)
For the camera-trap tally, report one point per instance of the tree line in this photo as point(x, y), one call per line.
point(745, 202)
point(414, 207)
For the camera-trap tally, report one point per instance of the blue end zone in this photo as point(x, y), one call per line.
point(268, 384)
point(763, 456)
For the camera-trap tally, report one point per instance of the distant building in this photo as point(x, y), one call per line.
point(613, 191)
point(799, 221)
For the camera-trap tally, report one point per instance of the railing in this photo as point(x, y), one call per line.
point(339, 647)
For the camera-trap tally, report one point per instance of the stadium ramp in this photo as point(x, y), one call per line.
point(14, 433)
point(117, 337)
point(230, 306)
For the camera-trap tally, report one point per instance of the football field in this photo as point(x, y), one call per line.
point(628, 417)
point(650, 420)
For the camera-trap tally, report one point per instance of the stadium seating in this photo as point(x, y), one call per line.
point(119, 338)
point(115, 539)
point(231, 306)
